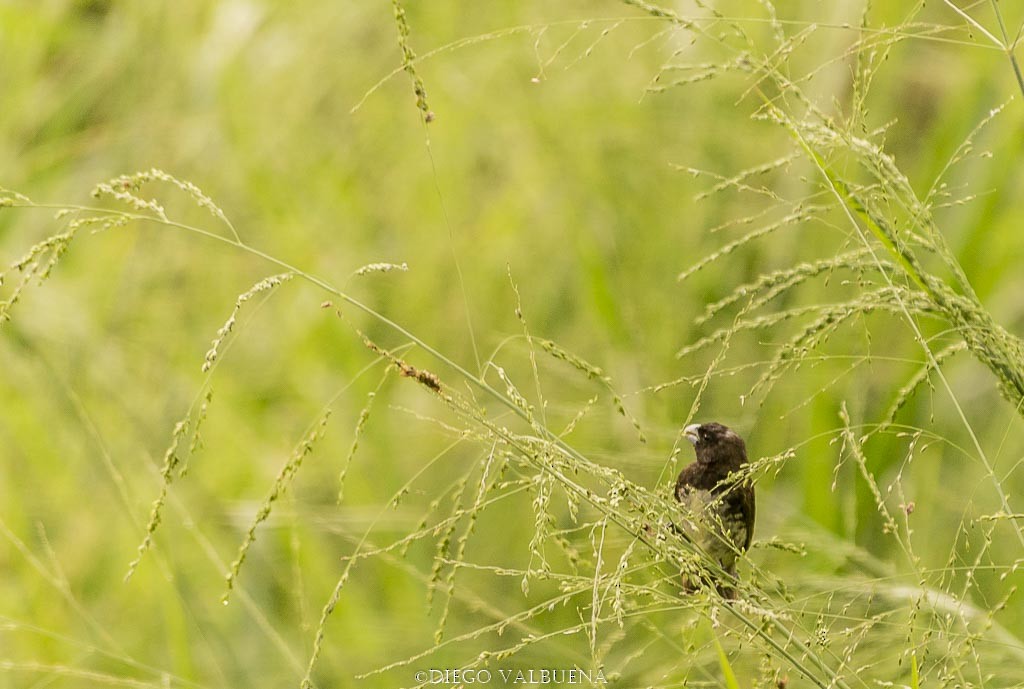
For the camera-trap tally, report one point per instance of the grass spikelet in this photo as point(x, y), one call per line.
point(197, 439)
point(921, 376)
point(380, 268)
point(37, 264)
point(318, 637)
point(9, 198)
point(364, 416)
point(281, 483)
point(594, 373)
point(422, 376)
point(125, 189)
point(660, 12)
point(852, 443)
point(432, 508)
point(829, 320)
point(197, 195)
point(618, 593)
point(41, 258)
point(445, 540)
point(485, 486)
point(739, 181)
point(701, 72)
point(544, 522)
point(798, 216)
point(171, 462)
point(591, 371)
point(816, 333)
point(409, 62)
point(620, 407)
point(521, 317)
point(771, 285)
point(264, 285)
point(543, 64)
point(589, 50)
point(723, 334)
point(513, 393)
point(574, 421)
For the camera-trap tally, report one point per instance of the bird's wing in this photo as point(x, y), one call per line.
point(684, 484)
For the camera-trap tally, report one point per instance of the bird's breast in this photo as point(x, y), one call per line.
point(710, 522)
point(695, 500)
point(697, 505)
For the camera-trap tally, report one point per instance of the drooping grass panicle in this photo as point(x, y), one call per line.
point(513, 393)
point(37, 264)
point(596, 374)
point(962, 152)
point(521, 317)
point(490, 475)
point(542, 62)
point(773, 319)
point(424, 377)
point(660, 12)
point(544, 523)
point(171, 463)
point(920, 377)
point(444, 542)
point(601, 36)
point(409, 61)
point(284, 479)
point(771, 285)
point(852, 444)
point(265, 285)
point(821, 329)
point(551, 466)
point(739, 181)
point(196, 442)
point(127, 188)
point(819, 137)
point(197, 195)
point(571, 426)
point(798, 216)
point(700, 72)
point(357, 433)
point(380, 267)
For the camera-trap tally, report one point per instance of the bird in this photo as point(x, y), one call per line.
point(718, 512)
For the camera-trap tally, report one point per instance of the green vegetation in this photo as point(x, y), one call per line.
point(380, 364)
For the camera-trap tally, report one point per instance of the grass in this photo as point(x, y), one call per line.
point(444, 411)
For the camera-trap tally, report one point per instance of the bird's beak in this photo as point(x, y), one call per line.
point(691, 433)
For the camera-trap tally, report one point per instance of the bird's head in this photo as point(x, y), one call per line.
point(715, 444)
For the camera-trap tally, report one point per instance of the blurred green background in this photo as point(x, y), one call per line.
point(547, 158)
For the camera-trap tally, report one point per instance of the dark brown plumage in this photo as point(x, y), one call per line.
point(718, 515)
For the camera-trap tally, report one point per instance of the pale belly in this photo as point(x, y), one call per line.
point(705, 521)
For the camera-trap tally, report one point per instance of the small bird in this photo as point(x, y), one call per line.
point(718, 513)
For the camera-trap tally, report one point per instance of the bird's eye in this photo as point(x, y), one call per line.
point(702, 434)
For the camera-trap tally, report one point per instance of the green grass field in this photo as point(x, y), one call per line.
point(344, 342)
